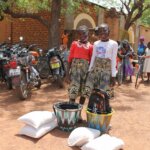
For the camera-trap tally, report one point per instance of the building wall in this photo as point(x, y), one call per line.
point(5, 31)
point(84, 18)
point(114, 27)
point(34, 32)
point(31, 30)
point(112, 18)
point(145, 31)
point(101, 13)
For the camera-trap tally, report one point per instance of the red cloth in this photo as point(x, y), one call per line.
point(82, 51)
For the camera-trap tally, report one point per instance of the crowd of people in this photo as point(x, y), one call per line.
point(94, 66)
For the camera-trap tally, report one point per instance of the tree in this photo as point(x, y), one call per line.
point(145, 19)
point(133, 10)
point(32, 9)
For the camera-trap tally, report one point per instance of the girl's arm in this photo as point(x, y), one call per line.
point(146, 56)
point(93, 58)
point(113, 59)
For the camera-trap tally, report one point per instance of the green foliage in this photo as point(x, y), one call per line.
point(145, 19)
point(3, 6)
point(32, 6)
point(70, 5)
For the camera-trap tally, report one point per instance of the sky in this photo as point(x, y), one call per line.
point(107, 3)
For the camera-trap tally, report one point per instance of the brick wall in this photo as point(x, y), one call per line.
point(113, 21)
point(145, 31)
point(4, 30)
point(114, 27)
point(34, 32)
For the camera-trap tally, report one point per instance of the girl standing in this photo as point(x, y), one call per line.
point(146, 68)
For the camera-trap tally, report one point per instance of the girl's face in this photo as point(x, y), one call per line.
point(141, 41)
point(83, 37)
point(126, 46)
point(104, 35)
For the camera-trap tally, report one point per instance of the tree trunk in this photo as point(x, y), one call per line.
point(125, 35)
point(54, 31)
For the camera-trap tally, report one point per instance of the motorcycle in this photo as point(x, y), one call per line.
point(52, 66)
point(27, 77)
point(5, 65)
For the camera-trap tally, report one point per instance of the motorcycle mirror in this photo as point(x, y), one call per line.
point(40, 50)
point(21, 38)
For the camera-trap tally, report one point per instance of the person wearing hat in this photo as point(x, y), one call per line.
point(141, 47)
point(141, 52)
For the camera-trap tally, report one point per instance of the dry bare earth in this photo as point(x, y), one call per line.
point(130, 122)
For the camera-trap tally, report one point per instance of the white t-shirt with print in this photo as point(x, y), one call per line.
point(105, 50)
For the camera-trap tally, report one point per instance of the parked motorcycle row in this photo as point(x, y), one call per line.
point(22, 69)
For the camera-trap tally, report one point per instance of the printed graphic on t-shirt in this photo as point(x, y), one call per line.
point(101, 51)
point(141, 49)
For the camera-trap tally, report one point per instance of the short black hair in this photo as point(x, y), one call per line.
point(103, 27)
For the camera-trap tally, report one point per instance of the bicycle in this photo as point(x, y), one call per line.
point(120, 73)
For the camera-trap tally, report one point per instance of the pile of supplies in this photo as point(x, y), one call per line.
point(37, 123)
point(90, 139)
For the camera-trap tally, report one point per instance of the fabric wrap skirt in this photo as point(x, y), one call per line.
point(99, 77)
point(79, 69)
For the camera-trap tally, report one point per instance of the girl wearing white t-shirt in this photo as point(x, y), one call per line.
point(102, 69)
point(146, 68)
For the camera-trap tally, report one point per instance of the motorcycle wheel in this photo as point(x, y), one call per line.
point(39, 84)
point(43, 70)
point(59, 81)
point(9, 83)
point(22, 90)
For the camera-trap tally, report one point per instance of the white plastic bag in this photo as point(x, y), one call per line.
point(82, 135)
point(37, 118)
point(37, 133)
point(104, 142)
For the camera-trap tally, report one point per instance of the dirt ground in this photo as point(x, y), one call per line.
point(130, 122)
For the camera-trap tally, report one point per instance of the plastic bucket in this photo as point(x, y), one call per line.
point(99, 121)
point(67, 115)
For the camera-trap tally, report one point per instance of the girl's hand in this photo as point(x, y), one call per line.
point(68, 78)
point(147, 57)
point(113, 81)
